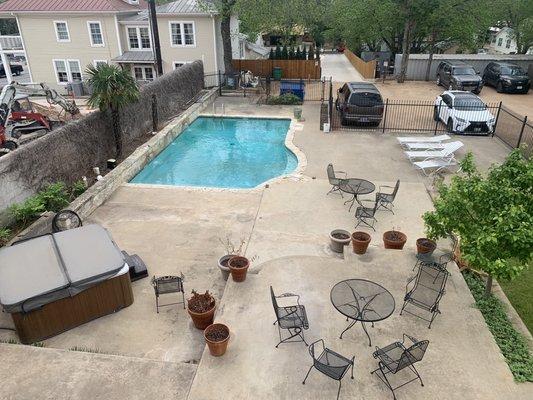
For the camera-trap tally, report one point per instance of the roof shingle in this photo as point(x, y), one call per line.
point(70, 5)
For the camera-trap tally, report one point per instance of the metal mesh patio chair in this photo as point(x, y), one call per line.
point(292, 318)
point(386, 200)
point(366, 215)
point(168, 284)
point(328, 362)
point(396, 357)
point(425, 290)
point(334, 180)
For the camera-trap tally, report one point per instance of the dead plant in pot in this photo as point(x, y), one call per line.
point(394, 239)
point(201, 307)
point(230, 250)
point(238, 266)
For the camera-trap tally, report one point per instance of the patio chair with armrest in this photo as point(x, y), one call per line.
point(425, 290)
point(293, 318)
point(386, 200)
point(426, 139)
point(334, 180)
point(396, 357)
point(366, 215)
point(328, 362)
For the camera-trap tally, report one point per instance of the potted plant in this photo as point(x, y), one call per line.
point(425, 246)
point(394, 239)
point(231, 250)
point(238, 266)
point(201, 308)
point(360, 242)
point(339, 238)
point(217, 338)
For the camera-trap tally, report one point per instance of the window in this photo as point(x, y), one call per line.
point(500, 41)
point(139, 38)
point(182, 34)
point(96, 63)
point(178, 64)
point(67, 70)
point(508, 44)
point(143, 73)
point(95, 33)
point(62, 33)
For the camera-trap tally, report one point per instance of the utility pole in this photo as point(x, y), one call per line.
point(155, 37)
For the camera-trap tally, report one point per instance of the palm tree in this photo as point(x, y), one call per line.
point(113, 88)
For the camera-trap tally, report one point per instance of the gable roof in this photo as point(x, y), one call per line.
point(70, 6)
point(184, 7)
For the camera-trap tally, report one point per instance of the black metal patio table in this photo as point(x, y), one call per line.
point(362, 300)
point(356, 187)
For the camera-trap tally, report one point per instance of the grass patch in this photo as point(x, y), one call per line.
point(512, 345)
point(519, 292)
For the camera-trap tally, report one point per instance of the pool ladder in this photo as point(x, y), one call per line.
point(223, 108)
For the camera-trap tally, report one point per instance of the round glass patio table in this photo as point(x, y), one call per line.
point(356, 187)
point(362, 300)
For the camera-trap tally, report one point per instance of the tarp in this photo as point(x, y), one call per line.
point(54, 266)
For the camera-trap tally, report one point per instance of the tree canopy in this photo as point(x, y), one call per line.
point(492, 214)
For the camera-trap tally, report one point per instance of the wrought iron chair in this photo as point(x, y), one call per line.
point(366, 215)
point(440, 261)
point(386, 200)
point(425, 290)
point(168, 284)
point(396, 357)
point(328, 362)
point(334, 180)
point(293, 318)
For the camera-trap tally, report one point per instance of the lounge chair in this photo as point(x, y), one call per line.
point(424, 146)
point(430, 167)
point(446, 153)
point(426, 139)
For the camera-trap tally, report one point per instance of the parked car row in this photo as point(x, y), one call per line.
point(505, 77)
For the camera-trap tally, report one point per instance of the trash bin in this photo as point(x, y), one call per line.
point(277, 73)
point(77, 88)
point(296, 88)
point(297, 113)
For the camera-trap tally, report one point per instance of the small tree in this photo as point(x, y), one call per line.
point(284, 53)
point(304, 53)
point(298, 53)
point(292, 54)
point(113, 88)
point(278, 54)
point(271, 55)
point(492, 214)
point(317, 53)
point(311, 54)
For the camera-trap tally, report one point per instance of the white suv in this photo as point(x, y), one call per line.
point(463, 112)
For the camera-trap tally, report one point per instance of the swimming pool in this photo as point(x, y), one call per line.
point(224, 153)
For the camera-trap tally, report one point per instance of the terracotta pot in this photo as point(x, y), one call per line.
point(397, 242)
point(337, 244)
point(238, 266)
point(217, 348)
point(202, 320)
point(223, 265)
point(360, 242)
point(425, 246)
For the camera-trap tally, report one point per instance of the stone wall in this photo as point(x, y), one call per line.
point(72, 150)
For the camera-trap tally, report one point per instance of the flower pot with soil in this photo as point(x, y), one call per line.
point(339, 238)
point(223, 265)
point(360, 242)
point(238, 266)
point(217, 338)
point(394, 240)
point(425, 246)
point(201, 308)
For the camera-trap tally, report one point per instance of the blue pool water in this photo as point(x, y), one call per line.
point(223, 153)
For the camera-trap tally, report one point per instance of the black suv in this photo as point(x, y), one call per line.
point(458, 75)
point(359, 102)
point(506, 77)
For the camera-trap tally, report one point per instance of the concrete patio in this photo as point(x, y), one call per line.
point(286, 225)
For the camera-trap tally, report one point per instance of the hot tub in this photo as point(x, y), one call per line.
point(58, 281)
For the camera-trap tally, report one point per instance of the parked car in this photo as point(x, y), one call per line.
point(463, 112)
point(359, 102)
point(15, 70)
point(506, 77)
point(458, 75)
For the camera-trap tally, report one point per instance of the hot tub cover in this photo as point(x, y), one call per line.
point(50, 267)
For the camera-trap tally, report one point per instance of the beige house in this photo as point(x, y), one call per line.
point(60, 38)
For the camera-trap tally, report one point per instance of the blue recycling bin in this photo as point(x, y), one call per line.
point(297, 88)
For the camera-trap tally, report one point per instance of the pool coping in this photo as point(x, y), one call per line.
point(296, 175)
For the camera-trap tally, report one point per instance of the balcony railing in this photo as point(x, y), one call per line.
point(11, 43)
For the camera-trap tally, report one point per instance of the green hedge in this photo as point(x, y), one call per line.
point(512, 344)
point(285, 99)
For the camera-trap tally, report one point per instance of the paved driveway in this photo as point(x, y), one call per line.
point(339, 68)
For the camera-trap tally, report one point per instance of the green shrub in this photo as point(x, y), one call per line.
point(28, 210)
point(5, 235)
point(77, 189)
point(512, 345)
point(284, 99)
point(54, 197)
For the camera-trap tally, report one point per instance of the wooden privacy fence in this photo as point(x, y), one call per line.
point(291, 69)
point(366, 69)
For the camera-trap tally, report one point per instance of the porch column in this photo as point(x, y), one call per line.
point(5, 63)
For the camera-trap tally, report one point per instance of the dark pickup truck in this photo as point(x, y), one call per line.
point(15, 70)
